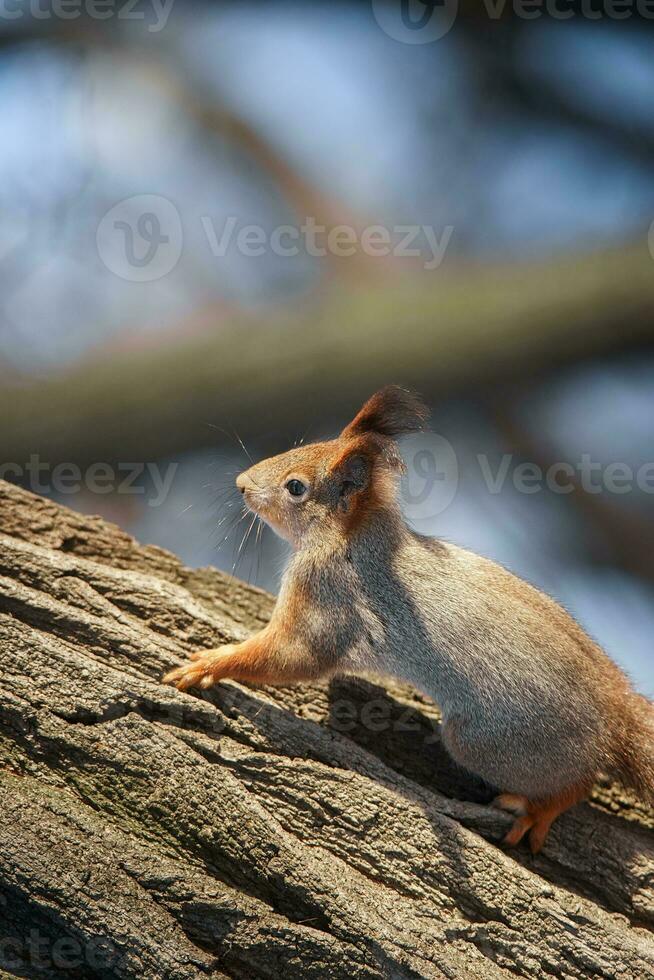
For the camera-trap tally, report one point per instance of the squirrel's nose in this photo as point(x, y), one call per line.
point(243, 482)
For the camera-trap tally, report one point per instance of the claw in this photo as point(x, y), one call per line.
point(182, 678)
point(172, 676)
point(185, 677)
point(199, 673)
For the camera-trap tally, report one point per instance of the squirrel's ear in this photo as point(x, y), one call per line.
point(351, 471)
point(391, 411)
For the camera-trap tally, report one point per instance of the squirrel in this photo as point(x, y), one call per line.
point(529, 702)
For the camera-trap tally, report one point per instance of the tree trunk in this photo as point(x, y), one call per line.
point(317, 831)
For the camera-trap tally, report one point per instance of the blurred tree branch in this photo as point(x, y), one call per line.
point(205, 106)
point(624, 538)
point(544, 101)
point(446, 333)
point(185, 88)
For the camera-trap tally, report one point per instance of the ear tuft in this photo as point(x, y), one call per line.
point(391, 411)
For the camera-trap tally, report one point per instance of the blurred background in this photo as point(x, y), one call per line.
point(223, 225)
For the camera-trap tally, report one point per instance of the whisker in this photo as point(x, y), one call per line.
point(223, 519)
point(235, 520)
point(242, 445)
point(244, 539)
point(257, 550)
point(232, 435)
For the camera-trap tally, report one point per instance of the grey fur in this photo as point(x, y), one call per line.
point(529, 702)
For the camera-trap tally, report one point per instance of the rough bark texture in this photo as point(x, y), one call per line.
point(318, 831)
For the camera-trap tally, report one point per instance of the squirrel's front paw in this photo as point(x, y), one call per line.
point(204, 671)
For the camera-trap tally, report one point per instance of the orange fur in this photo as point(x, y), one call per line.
point(538, 815)
point(379, 487)
point(265, 658)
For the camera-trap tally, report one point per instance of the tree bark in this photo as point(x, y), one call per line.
point(317, 831)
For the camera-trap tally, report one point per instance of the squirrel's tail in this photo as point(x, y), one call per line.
point(635, 763)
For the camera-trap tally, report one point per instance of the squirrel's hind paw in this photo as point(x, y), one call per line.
point(538, 816)
point(538, 830)
point(520, 827)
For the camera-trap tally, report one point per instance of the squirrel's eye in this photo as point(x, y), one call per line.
point(296, 488)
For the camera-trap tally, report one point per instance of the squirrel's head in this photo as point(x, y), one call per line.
point(335, 484)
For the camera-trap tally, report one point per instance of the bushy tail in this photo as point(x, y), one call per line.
point(636, 763)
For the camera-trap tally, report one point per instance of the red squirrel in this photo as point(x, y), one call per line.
point(529, 702)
